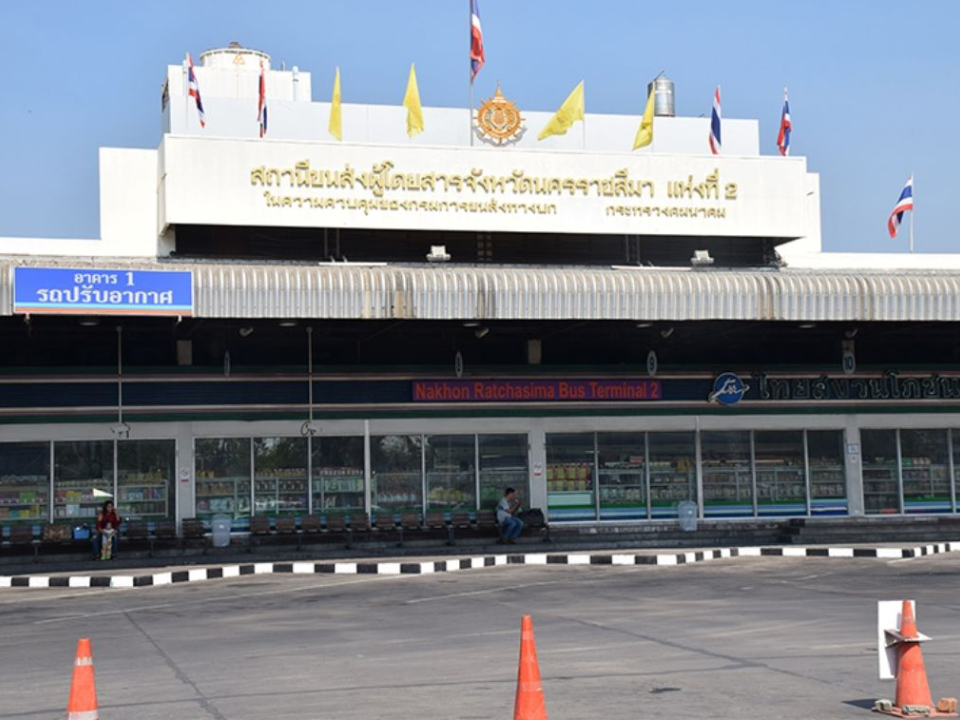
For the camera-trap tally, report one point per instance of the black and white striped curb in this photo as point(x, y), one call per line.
point(470, 563)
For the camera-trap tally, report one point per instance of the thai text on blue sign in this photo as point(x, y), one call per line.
point(99, 291)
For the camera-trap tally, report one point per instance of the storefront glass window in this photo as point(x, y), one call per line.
point(881, 492)
point(451, 472)
point(727, 480)
point(673, 471)
point(828, 479)
point(781, 476)
point(145, 472)
point(621, 475)
point(503, 464)
point(570, 476)
point(925, 466)
point(223, 477)
point(83, 479)
point(337, 474)
point(24, 483)
point(396, 473)
point(280, 476)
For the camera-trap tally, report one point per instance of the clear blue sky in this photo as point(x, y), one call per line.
point(874, 84)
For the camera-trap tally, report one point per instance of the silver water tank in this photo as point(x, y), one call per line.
point(662, 88)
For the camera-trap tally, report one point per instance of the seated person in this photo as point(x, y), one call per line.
point(106, 545)
point(510, 525)
point(106, 516)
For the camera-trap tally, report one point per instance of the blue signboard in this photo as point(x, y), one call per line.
point(728, 389)
point(97, 291)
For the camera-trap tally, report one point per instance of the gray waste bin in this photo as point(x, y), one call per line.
point(687, 512)
point(220, 531)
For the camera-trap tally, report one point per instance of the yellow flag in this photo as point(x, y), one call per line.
point(567, 115)
point(336, 120)
point(411, 101)
point(645, 131)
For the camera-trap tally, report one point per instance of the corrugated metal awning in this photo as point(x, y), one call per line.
point(452, 292)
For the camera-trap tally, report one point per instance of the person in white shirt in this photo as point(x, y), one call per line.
point(510, 525)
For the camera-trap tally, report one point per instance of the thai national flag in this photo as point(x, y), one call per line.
point(477, 56)
point(715, 124)
point(903, 204)
point(262, 104)
point(194, 90)
point(786, 127)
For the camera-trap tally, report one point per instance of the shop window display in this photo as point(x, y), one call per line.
point(828, 478)
point(570, 476)
point(145, 472)
point(781, 472)
point(503, 463)
point(451, 472)
point(396, 473)
point(83, 479)
point(925, 470)
point(24, 483)
point(280, 476)
point(223, 477)
point(673, 471)
point(622, 475)
point(337, 474)
point(881, 488)
point(727, 477)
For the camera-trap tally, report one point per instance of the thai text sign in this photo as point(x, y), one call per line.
point(456, 391)
point(102, 292)
point(241, 182)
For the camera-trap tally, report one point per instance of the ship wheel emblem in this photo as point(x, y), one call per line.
point(499, 121)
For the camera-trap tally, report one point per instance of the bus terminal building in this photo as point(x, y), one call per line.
point(294, 325)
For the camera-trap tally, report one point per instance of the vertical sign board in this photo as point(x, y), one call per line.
point(888, 618)
point(99, 291)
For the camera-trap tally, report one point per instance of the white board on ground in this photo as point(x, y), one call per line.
point(888, 618)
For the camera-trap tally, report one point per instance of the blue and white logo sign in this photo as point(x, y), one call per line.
point(102, 292)
point(728, 389)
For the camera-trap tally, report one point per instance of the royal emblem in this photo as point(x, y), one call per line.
point(499, 121)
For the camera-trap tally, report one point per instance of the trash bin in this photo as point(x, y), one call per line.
point(220, 530)
point(687, 511)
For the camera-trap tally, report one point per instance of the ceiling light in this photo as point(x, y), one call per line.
point(643, 325)
point(89, 322)
point(807, 326)
point(471, 324)
point(287, 323)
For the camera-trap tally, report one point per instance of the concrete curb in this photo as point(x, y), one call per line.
point(394, 567)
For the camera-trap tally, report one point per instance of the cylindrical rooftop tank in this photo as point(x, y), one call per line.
point(235, 57)
point(662, 88)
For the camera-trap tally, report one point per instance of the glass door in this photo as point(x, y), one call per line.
point(828, 477)
point(280, 476)
point(451, 472)
point(145, 473)
point(570, 476)
point(503, 463)
point(397, 473)
point(83, 479)
point(622, 475)
point(25, 482)
point(337, 475)
point(673, 471)
point(881, 479)
point(925, 467)
point(223, 478)
point(781, 472)
point(727, 477)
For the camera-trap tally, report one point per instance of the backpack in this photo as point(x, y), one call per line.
point(533, 518)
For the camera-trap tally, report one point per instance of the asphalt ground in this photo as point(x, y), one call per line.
point(761, 637)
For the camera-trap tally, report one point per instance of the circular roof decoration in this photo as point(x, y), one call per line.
point(499, 121)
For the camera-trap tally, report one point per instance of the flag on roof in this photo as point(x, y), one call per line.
point(786, 127)
point(568, 113)
point(411, 101)
point(645, 131)
point(262, 103)
point(194, 90)
point(335, 126)
point(903, 204)
point(715, 123)
point(477, 56)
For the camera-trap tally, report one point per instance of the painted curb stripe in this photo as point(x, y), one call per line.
point(469, 563)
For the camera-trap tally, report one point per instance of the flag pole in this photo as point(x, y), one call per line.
point(470, 72)
point(913, 199)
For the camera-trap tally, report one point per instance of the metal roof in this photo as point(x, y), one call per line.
point(451, 292)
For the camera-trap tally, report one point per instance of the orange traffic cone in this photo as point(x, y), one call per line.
point(913, 690)
point(82, 704)
point(530, 703)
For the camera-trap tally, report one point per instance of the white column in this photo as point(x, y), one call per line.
point(853, 465)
